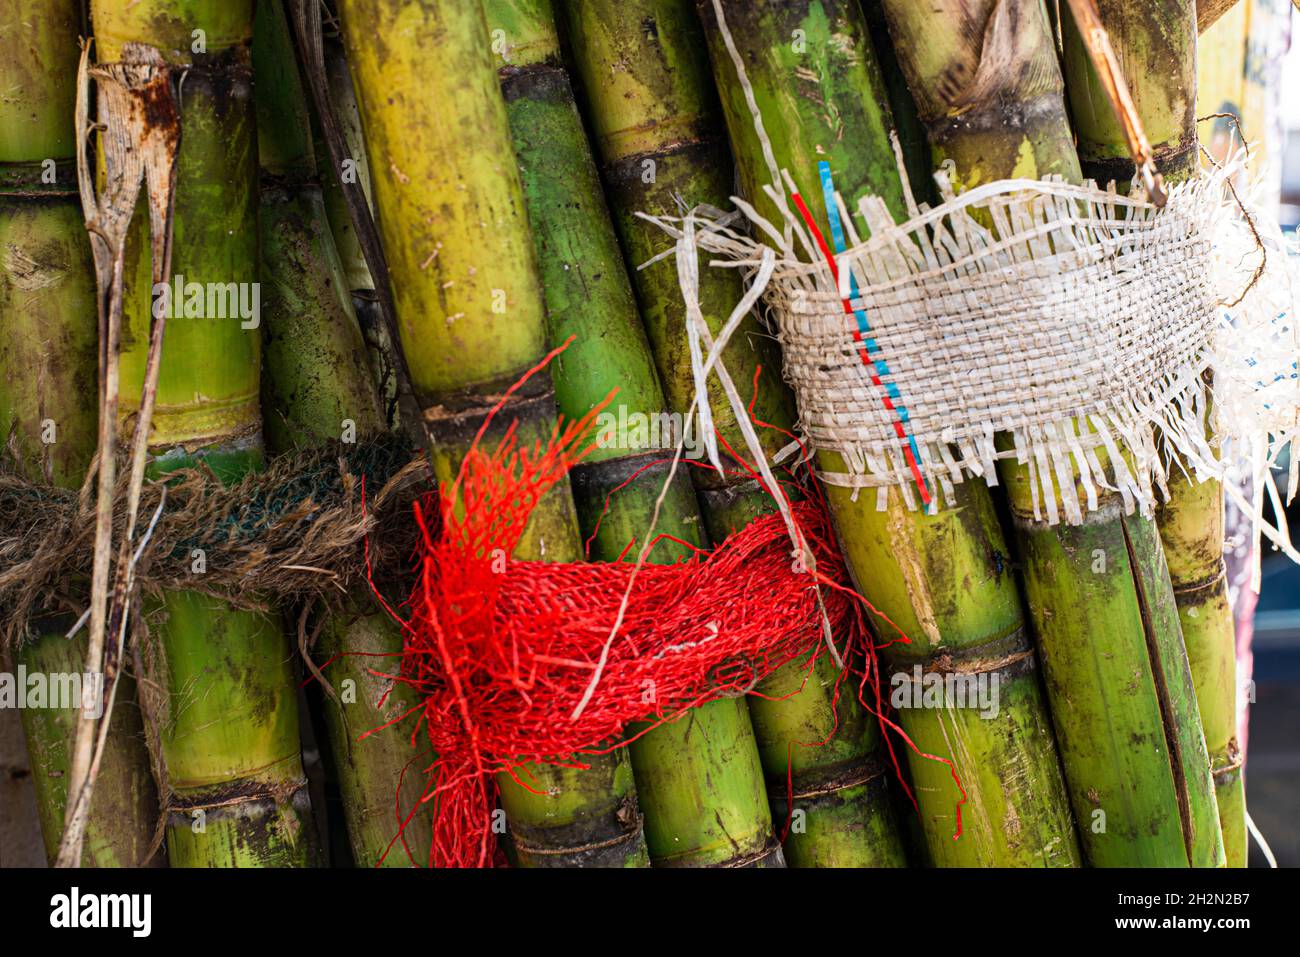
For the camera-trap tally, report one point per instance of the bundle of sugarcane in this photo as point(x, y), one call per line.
point(472, 322)
point(535, 292)
point(317, 387)
point(1158, 50)
point(228, 712)
point(987, 85)
point(48, 412)
point(656, 123)
point(698, 777)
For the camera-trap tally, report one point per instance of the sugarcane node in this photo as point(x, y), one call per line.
point(453, 413)
point(1193, 592)
point(29, 180)
point(1110, 506)
point(225, 75)
point(630, 169)
point(457, 427)
point(1120, 169)
point(231, 796)
point(740, 487)
point(260, 818)
point(284, 186)
point(993, 119)
point(548, 82)
point(604, 475)
point(770, 855)
point(1010, 655)
point(827, 780)
point(589, 841)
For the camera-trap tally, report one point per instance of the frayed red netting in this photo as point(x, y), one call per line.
point(513, 661)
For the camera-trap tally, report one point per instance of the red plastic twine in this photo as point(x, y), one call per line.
point(500, 651)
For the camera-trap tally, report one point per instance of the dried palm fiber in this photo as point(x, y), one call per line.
point(471, 320)
point(317, 387)
point(497, 651)
point(1158, 50)
point(698, 778)
point(296, 529)
point(942, 577)
point(906, 283)
point(659, 136)
point(48, 385)
point(229, 745)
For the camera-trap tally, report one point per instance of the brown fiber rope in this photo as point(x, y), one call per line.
point(294, 531)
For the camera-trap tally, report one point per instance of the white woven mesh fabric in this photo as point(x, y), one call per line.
point(1072, 311)
point(1066, 326)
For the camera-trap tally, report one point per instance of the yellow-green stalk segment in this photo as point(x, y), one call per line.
point(658, 133)
point(472, 321)
point(941, 578)
point(48, 412)
point(699, 779)
point(1157, 46)
point(316, 388)
point(985, 140)
point(229, 725)
point(1117, 677)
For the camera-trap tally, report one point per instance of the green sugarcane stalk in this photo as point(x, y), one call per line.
point(1158, 50)
point(317, 387)
point(984, 141)
point(939, 577)
point(48, 412)
point(699, 779)
point(1118, 682)
point(472, 320)
point(657, 130)
point(230, 730)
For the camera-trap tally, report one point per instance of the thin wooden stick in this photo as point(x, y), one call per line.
point(1102, 54)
